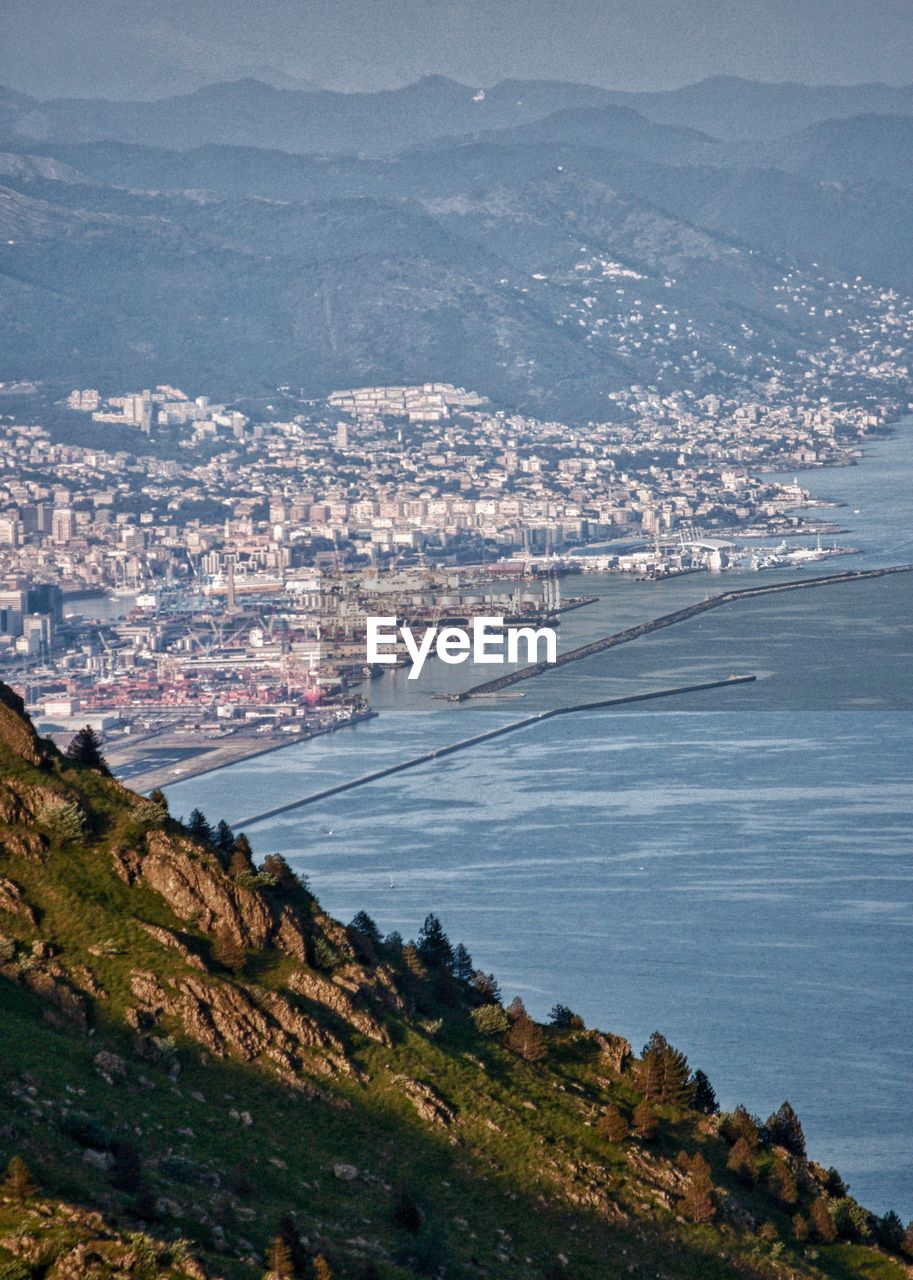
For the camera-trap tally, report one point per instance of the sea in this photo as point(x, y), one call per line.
point(732, 867)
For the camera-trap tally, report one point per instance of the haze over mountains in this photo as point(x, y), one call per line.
point(545, 243)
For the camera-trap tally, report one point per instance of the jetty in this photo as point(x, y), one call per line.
point(490, 687)
point(465, 743)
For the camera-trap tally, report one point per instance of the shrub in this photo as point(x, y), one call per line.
point(490, 1020)
point(646, 1124)
point(612, 1125)
point(63, 819)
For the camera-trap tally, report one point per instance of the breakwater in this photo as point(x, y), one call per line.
point(667, 620)
point(464, 743)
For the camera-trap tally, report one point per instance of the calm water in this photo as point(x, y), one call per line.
point(733, 868)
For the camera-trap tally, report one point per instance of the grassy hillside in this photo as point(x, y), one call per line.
point(196, 1059)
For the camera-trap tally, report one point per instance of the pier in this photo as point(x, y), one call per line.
point(667, 620)
point(465, 743)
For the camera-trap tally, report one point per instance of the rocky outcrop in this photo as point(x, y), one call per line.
point(228, 1021)
point(16, 732)
point(340, 1001)
point(429, 1104)
point(65, 1005)
point(14, 904)
point(197, 889)
point(173, 943)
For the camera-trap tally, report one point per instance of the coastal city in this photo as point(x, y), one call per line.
point(216, 577)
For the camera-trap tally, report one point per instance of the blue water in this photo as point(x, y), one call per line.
point(734, 868)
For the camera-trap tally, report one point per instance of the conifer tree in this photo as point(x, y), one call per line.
point(612, 1125)
point(321, 1268)
point(889, 1230)
point(276, 867)
point(516, 1009)
point(224, 839)
point(158, 797)
point(821, 1221)
point(240, 865)
point(525, 1038)
point(646, 1125)
point(697, 1202)
point(740, 1124)
point(363, 924)
point(800, 1227)
point(85, 748)
point(486, 985)
point(433, 945)
point(742, 1162)
point(782, 1129)
point(906, 1244)
point(242, 846)
point(663, 1072)
point(782, 1184)
point(288, 1231)
point(462, 963)
point(198, 827)
point(17, 1183)
point(279, 1265)
point(703, 1094)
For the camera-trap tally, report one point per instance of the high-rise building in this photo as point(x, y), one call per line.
point(62, 524)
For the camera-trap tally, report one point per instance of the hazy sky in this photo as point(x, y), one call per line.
point(139, 48)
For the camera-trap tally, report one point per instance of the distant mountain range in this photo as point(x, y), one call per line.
point(252, 113)
point(545, 243)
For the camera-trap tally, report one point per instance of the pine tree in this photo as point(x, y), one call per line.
point(564, 1018)
point(663, 1072)
point(612, 1125)
point(276, 867)
point(782, 1185)
point(198, 827)
point(287, 1230)
point(486, 985)
point(703, 1095)
point(822, 1222)
point(363, 924)
point(242, 846)
point(516, 1009)
point(224, 839)
point(462, 963)
point(526, 1039)
point(697, 1202)
point(433, 944)
point(17, 1183)
point(889, 1230)
point(321, 1268)
point(740, 1124)
point(85, 748)
point(800, 1227)
point(279, 1265)
point(240, 865)
point(906, 1244)
point(742, 1162)
point(782, 1129)
point(158, 797)
point(646, 1125)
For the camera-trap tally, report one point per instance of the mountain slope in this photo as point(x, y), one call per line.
point(196, 1052)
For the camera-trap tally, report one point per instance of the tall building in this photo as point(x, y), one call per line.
point(62, 524)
